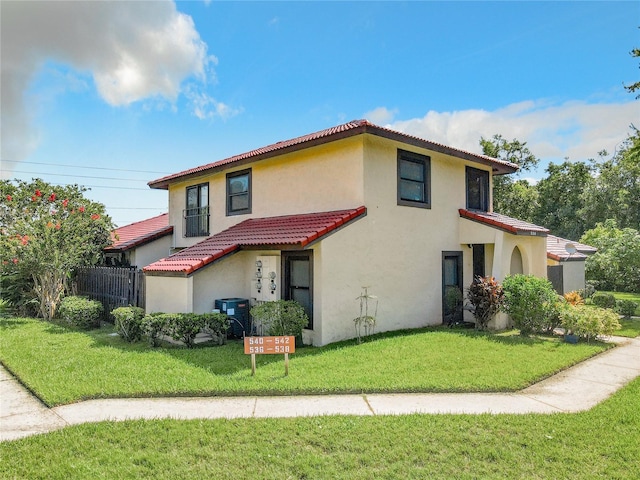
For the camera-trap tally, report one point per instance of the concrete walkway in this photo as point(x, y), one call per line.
point(575, 389)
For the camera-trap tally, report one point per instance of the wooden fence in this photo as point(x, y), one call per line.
point(113, 286)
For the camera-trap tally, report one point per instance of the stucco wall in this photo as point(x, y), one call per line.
point(573, 275)
point(395, 250)
point(145, 254)
point(323, 178)
point(169, 294)
point(532, 248)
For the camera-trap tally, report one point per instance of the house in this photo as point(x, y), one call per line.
point(566, 263)
point(140, 243)
point(320, 216)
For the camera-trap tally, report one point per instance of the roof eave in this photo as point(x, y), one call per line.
point(498, 167)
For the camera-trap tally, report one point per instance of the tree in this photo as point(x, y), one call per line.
point(512, 197)
point(635, 53)
point(615, 191)
point(562, 201)
point(46, 232)
point(616, 265)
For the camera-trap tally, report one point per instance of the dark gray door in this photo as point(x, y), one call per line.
point(452, 288)
point(298, 280)
point(555, 276)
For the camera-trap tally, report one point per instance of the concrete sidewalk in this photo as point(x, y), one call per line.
point(575, 389)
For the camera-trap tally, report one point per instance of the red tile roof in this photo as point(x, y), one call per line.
point(508, 224)
point(289, 230)
point(557, 249)
point(355, 127)
point(139, 233)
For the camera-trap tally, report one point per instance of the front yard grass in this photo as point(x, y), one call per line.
point(61, 365)
point(601, 443)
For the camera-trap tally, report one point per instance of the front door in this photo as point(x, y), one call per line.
point(452, 289)
point(298, 280)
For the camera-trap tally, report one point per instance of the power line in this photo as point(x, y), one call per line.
point(78, 176)
point(90, 168)
point(109, 187)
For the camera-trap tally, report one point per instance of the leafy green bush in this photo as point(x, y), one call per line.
point(603, 300)
point(128, 322)
point(80, 311)
point(588, 322)
point(531, 302)
point(587, 291)
point(155, 325)
point(5, 308)
point(282, 317)
point(185, 327)
point(626, 308)
point(486, 296)
point(216, 324)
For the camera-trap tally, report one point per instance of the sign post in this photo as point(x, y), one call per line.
point(267, 346)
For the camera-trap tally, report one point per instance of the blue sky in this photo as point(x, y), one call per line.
point(114, 94)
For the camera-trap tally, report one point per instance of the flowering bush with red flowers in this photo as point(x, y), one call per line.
point(46, 232)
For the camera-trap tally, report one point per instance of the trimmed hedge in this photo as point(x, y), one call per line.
point(80, 312)
point(185, 326)
point(128, 322)
point(626, 308)
point(603, 300)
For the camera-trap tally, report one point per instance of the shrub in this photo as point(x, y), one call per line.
point(574, 298)
point(5, 308)
point(155, 325)
point(604, 300)
point(588, 322)
point(282, 317)
point(626, 308)
point(216, 324)
point(587, 291)
point(486, 296)
point(80, 312)
point(128, 322)
point(185, 327)
point(531, 302)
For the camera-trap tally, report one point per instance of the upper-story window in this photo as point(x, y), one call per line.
point(477, 189)
point(196, 215)
point(239, 192)
point(414, 179)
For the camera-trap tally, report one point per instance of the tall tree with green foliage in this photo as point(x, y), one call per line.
point(46, 232)
point(615, 191)
point(512, 196)
point(616, 265)
point(562, 200)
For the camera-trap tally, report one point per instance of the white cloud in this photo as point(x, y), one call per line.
point(576, 129)
point(133, 50)
point(206, 107)
point(381, 115)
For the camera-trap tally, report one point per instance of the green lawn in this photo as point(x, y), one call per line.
point(601, 443)
point(630, 327)
point(62, 365)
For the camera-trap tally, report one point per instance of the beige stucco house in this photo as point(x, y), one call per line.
point(318, 217)
point(140, 243)
point(566, 263)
